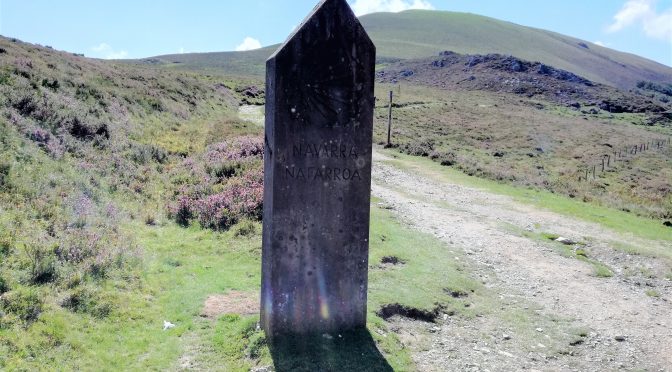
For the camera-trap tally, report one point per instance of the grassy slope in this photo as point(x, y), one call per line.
point(249, 63)
point(418, 33)
point(547, 148)
point(85, 149)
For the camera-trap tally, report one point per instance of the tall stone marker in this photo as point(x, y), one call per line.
point(317, 180)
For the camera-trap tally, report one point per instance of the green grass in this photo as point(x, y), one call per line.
point(602, 270)
point(428, 268)
point(183, 266)
point(652, 293)
point(161, 290)
point(616, 220)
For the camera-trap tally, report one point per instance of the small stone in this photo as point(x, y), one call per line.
point(565, 241)
point(539, 329)
point(506, 337)
point(619, 338)
point(504, 353)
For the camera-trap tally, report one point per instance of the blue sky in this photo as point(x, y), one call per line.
point(136, 29)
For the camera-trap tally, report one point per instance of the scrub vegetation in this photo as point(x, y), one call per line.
point(131, 191)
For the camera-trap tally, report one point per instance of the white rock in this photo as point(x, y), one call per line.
point(565, 241)
point(501, 352)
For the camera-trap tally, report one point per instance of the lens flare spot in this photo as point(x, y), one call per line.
point(324, 310)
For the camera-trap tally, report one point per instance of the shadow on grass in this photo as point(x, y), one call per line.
point(350, 351)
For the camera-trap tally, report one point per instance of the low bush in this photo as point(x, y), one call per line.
point(145, 154)
point(445, 159)
point(88, 301)
point(4, 287)
point(25, 303)
point(40, 253)
point(245, 228)
point(5, 168)
point(5, 245)
point(419, 148)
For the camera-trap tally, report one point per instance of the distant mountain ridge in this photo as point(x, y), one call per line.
point(506, 74)
point(423, 33)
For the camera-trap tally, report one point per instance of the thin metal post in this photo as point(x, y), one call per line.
point(389, 122)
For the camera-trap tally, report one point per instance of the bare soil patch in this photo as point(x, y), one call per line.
point(234, 302)
point(388, 311)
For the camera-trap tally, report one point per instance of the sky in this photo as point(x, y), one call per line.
point(115, 29)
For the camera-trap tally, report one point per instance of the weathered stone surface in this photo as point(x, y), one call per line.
point(319, 123)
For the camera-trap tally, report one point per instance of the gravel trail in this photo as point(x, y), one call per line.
point(629, 315)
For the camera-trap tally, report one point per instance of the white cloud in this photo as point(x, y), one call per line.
point(105, 51)
point(644, 14)
point(361, 7)
point(600, 43)
point(248, 44)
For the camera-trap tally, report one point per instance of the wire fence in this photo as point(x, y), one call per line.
point(609, 161)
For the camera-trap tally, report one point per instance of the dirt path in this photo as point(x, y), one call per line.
point(628, 316)
point(253, 114)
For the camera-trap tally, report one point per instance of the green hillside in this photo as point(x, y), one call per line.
point(131, 196)
point(422, 33)
point(249, 63)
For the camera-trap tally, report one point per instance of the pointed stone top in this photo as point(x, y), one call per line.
point(328, 18)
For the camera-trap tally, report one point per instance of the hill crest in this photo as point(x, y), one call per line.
point(424, 33)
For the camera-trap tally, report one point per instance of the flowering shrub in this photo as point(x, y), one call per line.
point(183, 210)
point(241, 198)
point(39, 135)
point(222, 186)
